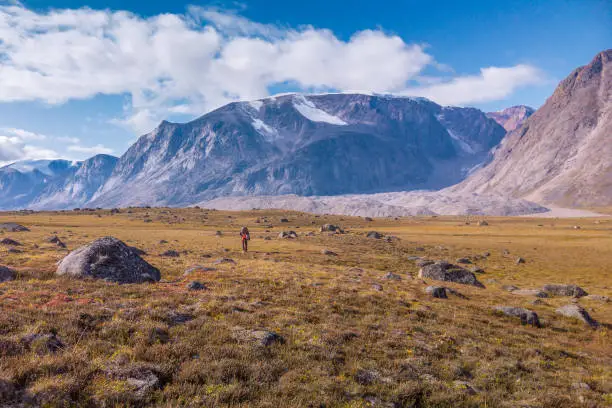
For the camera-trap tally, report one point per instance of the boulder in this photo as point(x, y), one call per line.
point(55, 240)
point(331, 228)
point(447, 272)
point(576, 312)
point(9, 242)
point(6, 274)
point(527, 316)
point(564, 290)
point(110, 259)
point(12, 227)
point(287, 235)
point(374, 235)
point(263, 338)
point(436, 291)
point(195, 285)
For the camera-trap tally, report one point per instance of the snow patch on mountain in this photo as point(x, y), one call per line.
point(311, 112)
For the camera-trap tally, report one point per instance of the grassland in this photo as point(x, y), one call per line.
point(346, 342)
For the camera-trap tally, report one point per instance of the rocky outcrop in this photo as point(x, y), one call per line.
point(513, 117)
point(108, 259)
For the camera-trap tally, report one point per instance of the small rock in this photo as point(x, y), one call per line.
point(284, 220)
point(463, 261)
point(366, 377)
point(6, 274)
point(195, 286)
point(170, 254)
point(368, 219)
point(288, 235)
point(576, 312)
point(198, 268)
point(331, 228)
point(42, 343)
point(374, 235)
point(9, 242)
point(328, 252)
point(224, 261)
point(527, 316)
point(377, 287)
point(510, 288)
point(476, 269)
point(564, 290)
point(263, 338)
point(483, 224)
point(519, 260)
point(598, 298)
point(437, 292)
point(392, 276)
point(163, 241)
point(219, 233)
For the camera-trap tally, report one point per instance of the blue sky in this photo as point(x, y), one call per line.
point(79, 78)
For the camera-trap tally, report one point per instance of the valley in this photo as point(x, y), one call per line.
point(324, 319)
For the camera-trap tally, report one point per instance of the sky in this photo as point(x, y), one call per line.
point(79, 78)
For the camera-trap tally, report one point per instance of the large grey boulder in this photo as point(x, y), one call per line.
point(447, 272)
point(13, 227)
point(576, 312)
point(527, 316)
point(564, 290)
point(6, 274)
point(110, 259)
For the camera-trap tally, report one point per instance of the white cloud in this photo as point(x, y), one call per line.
point(90, 150)
point(492, 84)
point(13, 148)
point(23, 134)
point(196, 62)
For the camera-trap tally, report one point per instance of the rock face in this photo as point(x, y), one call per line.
point(577, 312)
point(564, 290)
point(526, 316)
point(109, 259)
point(6, 274)
point(513, 117)
point(561, 154)
point(447, 272)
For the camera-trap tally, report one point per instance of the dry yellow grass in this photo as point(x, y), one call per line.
point(346, 343)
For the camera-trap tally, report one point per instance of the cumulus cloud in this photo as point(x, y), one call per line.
point(492, 84)
point(13, 148)
point(200, 60)
point(23, 134)
point(90, 150)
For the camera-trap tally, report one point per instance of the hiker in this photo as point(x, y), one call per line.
point(244, 234)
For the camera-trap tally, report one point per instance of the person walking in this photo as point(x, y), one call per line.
point(244, 234)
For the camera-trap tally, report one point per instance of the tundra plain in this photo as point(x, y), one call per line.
point(321, 320)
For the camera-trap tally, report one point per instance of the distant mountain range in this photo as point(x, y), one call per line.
point(325, 144)
point(337, 144)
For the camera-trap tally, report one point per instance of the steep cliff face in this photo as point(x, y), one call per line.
point(561, 154)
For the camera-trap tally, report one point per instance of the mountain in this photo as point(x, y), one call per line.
point(562, 153)
point(39, 184)
point(325, 144)
point(513, 117)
